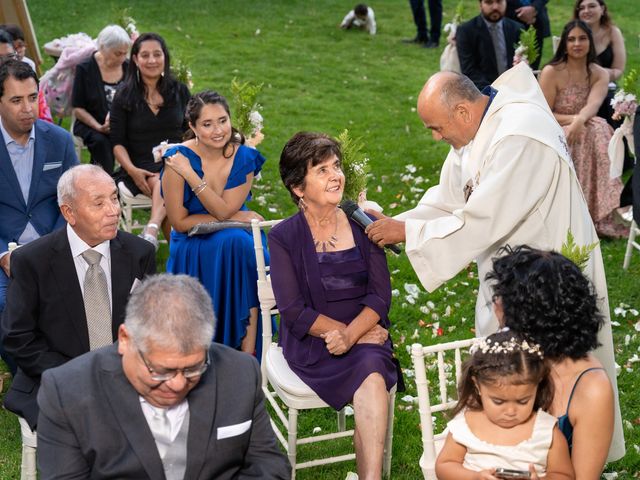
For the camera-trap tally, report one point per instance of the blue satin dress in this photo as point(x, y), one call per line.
point(223, 261)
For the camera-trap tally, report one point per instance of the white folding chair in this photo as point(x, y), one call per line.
point(280, 382)
point(129, 203)
point(28, 470)
point(432, 443)
point(631, 244)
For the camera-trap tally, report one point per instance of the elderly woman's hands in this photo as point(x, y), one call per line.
point(377, 335)
point(339, 342)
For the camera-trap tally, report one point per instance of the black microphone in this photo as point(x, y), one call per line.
point(355, 213)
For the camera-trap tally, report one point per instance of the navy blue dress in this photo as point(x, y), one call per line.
point(223, 261)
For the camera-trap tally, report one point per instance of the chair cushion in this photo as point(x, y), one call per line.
point(279, 373)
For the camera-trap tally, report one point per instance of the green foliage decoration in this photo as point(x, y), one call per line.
point(355, 166)
point(578, 254)
point(244, 103)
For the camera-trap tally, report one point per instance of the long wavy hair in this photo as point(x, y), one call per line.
point(133, 90)
point(194, 109)
point(561, 54)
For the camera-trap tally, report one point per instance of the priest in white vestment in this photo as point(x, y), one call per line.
point(508, 179)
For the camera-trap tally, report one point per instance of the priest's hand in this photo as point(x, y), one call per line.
point(385, 230)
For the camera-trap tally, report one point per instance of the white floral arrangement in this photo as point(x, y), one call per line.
point(182, 72)
point(451, 27)
point(246, 111)
point(127, 22)
point(625, 101)
point(527, 50)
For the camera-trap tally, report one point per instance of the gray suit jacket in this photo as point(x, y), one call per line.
point(91, 423)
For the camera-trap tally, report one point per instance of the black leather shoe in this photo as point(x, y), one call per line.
point(413, 40)
point(431, 44)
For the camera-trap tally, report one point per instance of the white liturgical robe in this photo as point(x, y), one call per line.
point(524, 191)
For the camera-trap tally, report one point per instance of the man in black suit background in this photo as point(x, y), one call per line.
point(55, 310)
point(531, 12)
point(486, 43)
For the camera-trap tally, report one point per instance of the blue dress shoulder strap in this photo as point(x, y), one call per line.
point(563, 421)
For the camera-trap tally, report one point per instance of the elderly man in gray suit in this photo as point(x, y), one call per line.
point(164, 402)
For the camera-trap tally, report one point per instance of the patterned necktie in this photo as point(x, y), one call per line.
point(161, 430)
point(96, 302)
point(499, 48)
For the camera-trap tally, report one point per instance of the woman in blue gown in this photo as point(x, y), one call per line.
point(209, 178)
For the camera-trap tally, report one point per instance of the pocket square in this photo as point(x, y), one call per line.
point(233, 430)
point(51, 166)
point(136, 282)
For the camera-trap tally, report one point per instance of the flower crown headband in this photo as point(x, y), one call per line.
point(487, 346)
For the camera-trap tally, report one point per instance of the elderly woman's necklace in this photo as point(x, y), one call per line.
point(322, 245)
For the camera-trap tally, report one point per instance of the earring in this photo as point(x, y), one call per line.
point(301, 204)
point(138, 75)
point(197, 139)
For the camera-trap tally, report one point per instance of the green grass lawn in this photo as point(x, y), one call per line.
point(317, 77)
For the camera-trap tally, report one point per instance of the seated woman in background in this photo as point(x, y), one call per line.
point(608, 43)
point(546, 298)
point(209, 178)
point(147, 109)
point(574, 86)
point(94, 87)
point(333, 291)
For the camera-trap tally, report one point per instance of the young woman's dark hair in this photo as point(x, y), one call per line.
point(546, 297)
point(561, 53)
point(194, 109)
point(133, 89)
point(605, 19)
point(504, 358)
point(304, 150)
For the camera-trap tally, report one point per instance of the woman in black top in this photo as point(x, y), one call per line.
point(94, 87)
point(147, 110)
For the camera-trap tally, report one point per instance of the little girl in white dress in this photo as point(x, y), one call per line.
point(500, 420)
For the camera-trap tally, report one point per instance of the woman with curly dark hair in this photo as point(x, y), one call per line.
point(546, 297)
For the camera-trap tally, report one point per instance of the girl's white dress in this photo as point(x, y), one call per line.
point(483, 455)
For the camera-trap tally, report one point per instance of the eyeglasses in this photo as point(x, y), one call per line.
point(9, 56)
point(166, 375)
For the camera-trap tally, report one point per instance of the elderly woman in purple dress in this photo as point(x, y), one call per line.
point(333, 292)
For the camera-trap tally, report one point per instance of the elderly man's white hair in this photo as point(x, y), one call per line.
point(67, 183)
point(170, 311)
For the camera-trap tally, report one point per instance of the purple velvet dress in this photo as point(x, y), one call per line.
point(337, 284)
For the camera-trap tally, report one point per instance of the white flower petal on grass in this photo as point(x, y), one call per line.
point(634, 359)
point(408, 372)
point(633, 312)
point(407, 399)
point(410, 168)
point(618, 369)
point(415, 334)
point(627, 424)
point(410, 299)
point(257, 31)
point(395, 292)
point(637, 326)
point(348, 411)
point(431, 305)
point(412, 289)
point(273, 210)
point(316, 430)
point(614, 323)
point(627, 339)
point(610, 476)
point(424, 309)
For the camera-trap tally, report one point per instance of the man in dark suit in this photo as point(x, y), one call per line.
point(531, 12)
point(486, 43)
point(431, 38)
point(163, 403)
point(33, 155)
point(52, 313)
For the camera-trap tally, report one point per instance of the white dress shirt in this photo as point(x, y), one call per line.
point(78, 246)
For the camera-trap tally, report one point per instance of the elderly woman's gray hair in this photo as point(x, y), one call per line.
point(113, 36)
point(170, 311)
point(67, 183)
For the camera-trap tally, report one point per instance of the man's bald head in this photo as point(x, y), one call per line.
point(451, 106)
